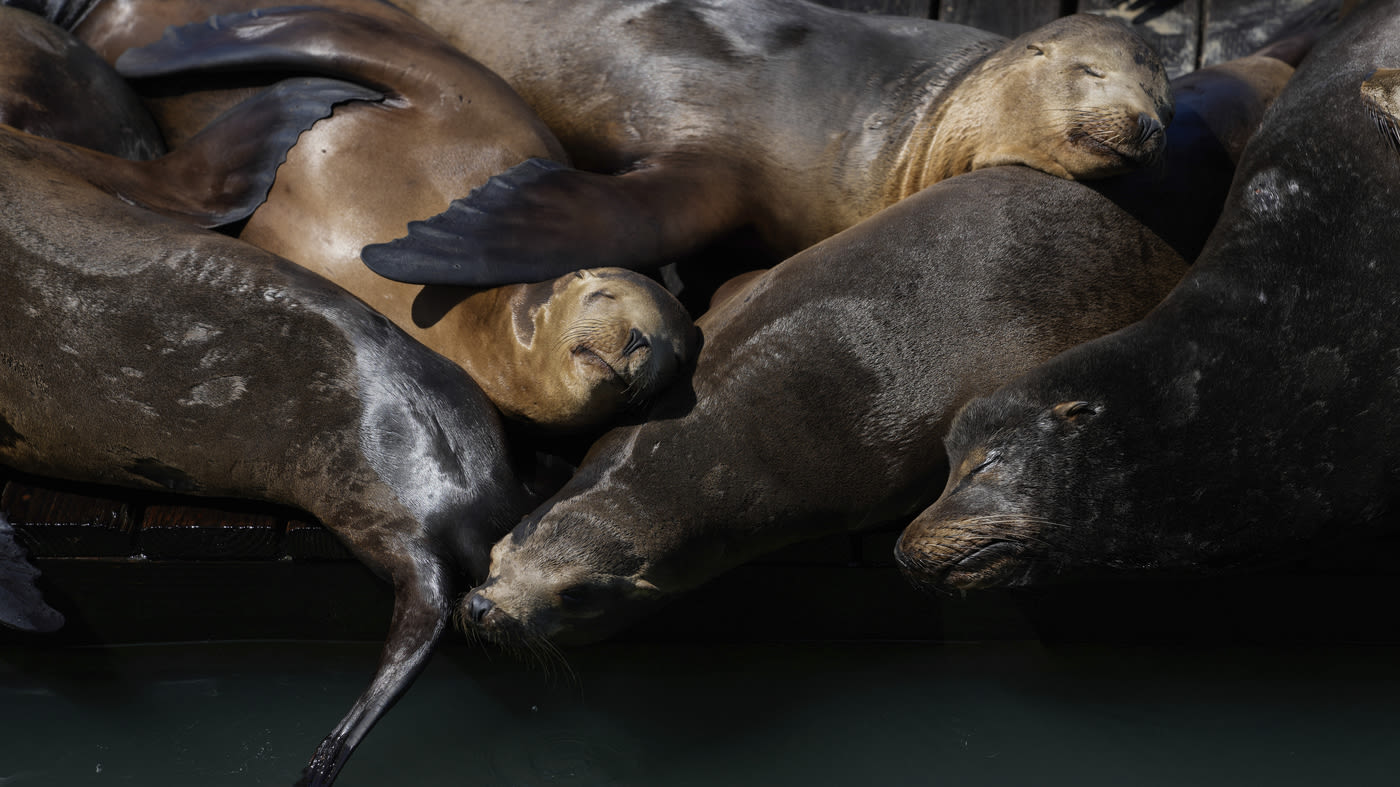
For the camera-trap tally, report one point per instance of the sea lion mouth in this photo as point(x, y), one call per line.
point(986, 565)
point(595, 359)
point(1131, 145)
point(990, 563)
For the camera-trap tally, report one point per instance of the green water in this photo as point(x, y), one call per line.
point(783, 714)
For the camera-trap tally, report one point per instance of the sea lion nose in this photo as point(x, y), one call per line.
point(478, 606)
point(1148, 127)
point(635, 342)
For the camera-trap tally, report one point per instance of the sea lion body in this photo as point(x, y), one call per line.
point(142, 351)
point(792, 118)
point(820, 393)
point(562, 355)
point(1252, 417)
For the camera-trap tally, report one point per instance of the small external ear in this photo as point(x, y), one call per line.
point(1069, 410)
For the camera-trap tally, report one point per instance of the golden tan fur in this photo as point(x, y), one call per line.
point(554, 354)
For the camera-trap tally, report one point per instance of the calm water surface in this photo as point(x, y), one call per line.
point(782, 714)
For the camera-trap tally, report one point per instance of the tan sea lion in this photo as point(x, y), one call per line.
point(703, 117)
point(141, 351)
point(1251, 420)
point(565, 354)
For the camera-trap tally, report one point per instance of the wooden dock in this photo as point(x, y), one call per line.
point(1188, 34)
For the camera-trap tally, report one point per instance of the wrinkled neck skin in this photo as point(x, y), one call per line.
point(947, 137)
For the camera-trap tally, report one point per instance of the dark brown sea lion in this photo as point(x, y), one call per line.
point(139, 350)
point(794, 118)
point(565, 354)
point(1252, 418)
point(820, 394)
point(41, 101)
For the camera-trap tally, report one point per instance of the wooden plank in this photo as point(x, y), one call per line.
point(1235, 28)
point(1008, 17)
point(177, 532)
point(111, 601)
point(1172, 27)
point(920, 8)
point(311, 541)
point(54, 523)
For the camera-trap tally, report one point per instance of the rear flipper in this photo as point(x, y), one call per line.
point(540, 220)
point(21, 604)
point(224, 172)
point(1380, 94)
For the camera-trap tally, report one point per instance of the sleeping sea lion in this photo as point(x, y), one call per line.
point(564, 355)
point(1252, 418)
point(139, 350)
point(820, 394)
point(800, 120)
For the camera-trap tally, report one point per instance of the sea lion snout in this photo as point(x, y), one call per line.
point(635, 342)
point(476, 607)
point(1149, 129)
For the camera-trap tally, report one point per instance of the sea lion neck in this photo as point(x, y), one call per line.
point(915, 166)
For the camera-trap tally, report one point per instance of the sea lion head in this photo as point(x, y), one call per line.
point(603, 341)
point(1081, 97)
point(989, 528)
point(564, 575)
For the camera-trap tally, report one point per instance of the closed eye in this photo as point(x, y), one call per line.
point(992, 458)
point(575, 595)
point(1093, 72)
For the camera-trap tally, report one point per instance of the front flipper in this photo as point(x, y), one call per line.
point(21, 604)
point(224, 172)
point(540, 220)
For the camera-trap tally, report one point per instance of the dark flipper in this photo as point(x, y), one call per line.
point(420, 615)
point(224, 172)
point(540, 220)
point(21, 605)
point(295, 39)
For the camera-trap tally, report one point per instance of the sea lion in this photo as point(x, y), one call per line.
point(799, 120)
point(41, 102)
point(142, 351)
point(1218, 108)
point(568, 354)
point(1251, 418)
point(820, 393)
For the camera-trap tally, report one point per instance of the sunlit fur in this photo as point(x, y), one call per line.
point(1380, 94)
